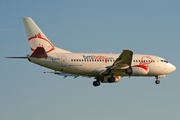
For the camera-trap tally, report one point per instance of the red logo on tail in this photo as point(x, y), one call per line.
point(41, 45)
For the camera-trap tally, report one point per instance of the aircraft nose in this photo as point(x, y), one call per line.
point(172, 68)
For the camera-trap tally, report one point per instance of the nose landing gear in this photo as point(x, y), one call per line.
point(157, 81)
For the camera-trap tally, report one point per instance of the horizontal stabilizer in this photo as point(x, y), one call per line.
point(39, 53)
point(18, 57)
point(65, 74)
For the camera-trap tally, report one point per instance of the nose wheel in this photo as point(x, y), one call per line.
point(157, 81)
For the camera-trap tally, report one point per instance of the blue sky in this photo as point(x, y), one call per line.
point(96, 26)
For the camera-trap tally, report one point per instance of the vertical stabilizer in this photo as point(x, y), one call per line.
point(37, 38)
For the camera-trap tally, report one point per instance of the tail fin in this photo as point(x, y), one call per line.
point(37, 38)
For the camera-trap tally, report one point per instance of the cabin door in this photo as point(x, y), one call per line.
point(63, 61)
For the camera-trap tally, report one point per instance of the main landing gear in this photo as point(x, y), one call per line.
point(96, 83)
point(111, 79)
point(157, 81)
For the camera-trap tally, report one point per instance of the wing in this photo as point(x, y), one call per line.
point(121, 63)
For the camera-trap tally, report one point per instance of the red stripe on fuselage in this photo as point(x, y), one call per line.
point(141, 66)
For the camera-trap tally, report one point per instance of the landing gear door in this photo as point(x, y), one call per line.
point(63, 61)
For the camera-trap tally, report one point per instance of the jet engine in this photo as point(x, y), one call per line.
point(137, 70)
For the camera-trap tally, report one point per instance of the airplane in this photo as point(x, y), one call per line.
point(105, 68)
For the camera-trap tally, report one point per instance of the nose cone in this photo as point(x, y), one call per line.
point(171, 67)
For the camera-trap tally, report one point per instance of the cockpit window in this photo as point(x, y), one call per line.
point(164, 61)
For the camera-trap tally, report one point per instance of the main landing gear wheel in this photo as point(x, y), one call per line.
point(157, 81)
point(111, 79)
point(96, 83)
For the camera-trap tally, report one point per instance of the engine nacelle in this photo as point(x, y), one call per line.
point(105, 79)
point(137, 70)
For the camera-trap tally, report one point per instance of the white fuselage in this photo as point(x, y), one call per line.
point(105, 68)
point(92, 64)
